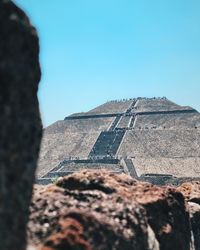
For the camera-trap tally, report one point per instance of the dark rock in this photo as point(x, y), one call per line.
point(166, 209)
point(99, 221)
point(97, 180)
point(91, 230)
point(20, 122)
point(194, 210)
point(110, 201)
point(191, 191)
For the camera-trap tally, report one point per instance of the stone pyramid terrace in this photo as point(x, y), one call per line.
point(151, 139)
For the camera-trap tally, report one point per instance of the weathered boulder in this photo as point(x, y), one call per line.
point(20, 131)
point(87, 220)
point(194, 210)
point(191, 191)
point(166, 210)
point(110, 207)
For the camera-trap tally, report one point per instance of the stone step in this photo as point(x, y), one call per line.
point(107, 143)
point(56, 174)
point(91, 166)
point(131, 168)
point(43, 181)
point(114, 124)
point(52, 176)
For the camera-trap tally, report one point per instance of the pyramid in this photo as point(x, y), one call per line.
point(151, 139)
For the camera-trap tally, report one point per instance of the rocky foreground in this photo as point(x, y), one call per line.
point(92, 210)
point(88, 210)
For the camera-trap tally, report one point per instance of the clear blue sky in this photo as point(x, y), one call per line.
point(98, 50)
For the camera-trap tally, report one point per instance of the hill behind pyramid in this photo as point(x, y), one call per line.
point(151, 139)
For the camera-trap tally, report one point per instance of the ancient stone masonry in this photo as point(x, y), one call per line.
point(115, 122)
point(132, 121)
point(131, 168)
point(20, 131)
point(159, 139)
point(66, 167)
point(107, 144)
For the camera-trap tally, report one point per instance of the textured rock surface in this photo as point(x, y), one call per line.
point(99, 210)
point(194, 210)
point(103, 221)
point(166, 211)
point(20, 122)
point(191, 191)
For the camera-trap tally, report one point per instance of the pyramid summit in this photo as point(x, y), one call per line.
point(150, 139)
